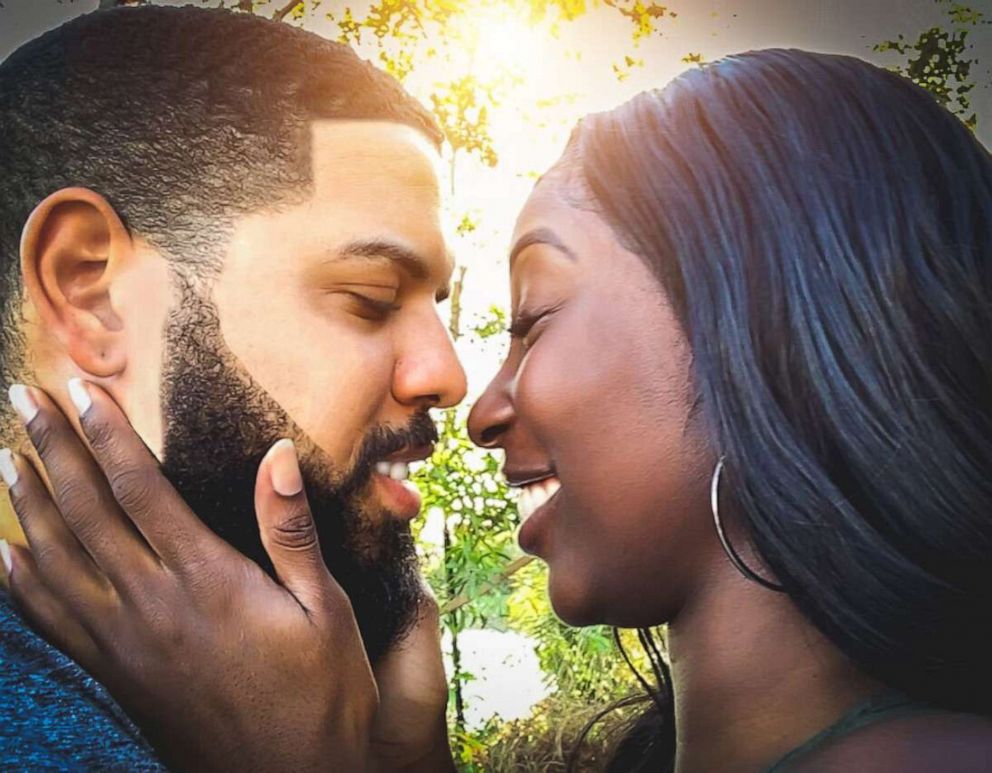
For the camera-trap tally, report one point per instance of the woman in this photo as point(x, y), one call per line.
point(749, 395)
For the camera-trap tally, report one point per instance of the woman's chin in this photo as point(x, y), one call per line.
point(582, 602)
point(571, 600)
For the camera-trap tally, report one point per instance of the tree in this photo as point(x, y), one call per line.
point(939, 59)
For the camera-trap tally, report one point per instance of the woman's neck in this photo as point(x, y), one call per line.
point(752, 677)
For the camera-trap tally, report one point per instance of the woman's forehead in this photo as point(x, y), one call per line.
point(559, 196)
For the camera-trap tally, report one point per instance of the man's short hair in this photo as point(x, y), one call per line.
point(183, 118)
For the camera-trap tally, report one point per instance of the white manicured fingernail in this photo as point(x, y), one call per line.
point(5, 556)
point(8, 470)
point(23, 402)
point(285, 471)
point(79, 396)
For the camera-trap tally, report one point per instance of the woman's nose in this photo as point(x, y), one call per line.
point(492, 415)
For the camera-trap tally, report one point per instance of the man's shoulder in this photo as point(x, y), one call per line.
point(53, 715)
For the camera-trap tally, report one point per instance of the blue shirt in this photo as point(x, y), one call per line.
point(55, 716)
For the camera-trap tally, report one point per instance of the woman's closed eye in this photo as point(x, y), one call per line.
point(528, 324)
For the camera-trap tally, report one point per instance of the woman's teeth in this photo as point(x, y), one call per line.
point(394, 470)
point(535, 495)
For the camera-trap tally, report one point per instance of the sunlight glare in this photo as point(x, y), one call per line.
point(505, 43)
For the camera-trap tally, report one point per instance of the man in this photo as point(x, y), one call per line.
point(232, 226)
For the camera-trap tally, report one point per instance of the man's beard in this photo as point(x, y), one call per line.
point(219, 425)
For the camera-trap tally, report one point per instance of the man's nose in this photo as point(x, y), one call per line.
point(428, 373)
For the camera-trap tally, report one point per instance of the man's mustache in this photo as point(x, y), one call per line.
point(383, 441)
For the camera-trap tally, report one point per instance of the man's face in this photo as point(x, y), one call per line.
point(322, 326)
point(331, 305)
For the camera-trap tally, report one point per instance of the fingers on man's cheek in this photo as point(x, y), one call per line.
point(62, 563)
point(35, 601)
point(45, 611)
point(55, 440)
point(62, 451)
point(30, 498)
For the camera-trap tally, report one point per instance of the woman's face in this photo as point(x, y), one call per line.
point(593, 407)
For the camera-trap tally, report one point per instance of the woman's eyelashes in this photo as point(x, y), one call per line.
point(528, 323)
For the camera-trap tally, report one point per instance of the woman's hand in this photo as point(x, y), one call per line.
point(410, 732)
point(222, 667)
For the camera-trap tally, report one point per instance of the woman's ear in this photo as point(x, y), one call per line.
point(73, 246)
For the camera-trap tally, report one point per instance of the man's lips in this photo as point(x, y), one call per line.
point(411, 454)
point(391, 478)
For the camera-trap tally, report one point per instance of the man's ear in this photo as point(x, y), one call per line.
point(73, 245)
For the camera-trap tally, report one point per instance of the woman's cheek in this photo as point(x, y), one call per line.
point(541, 384)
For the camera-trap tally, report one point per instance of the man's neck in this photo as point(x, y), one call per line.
point(753, 678)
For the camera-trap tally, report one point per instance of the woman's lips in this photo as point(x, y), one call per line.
point(534, 495)
point(534, 506)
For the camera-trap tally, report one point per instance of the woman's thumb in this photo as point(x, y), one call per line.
point(287, 527)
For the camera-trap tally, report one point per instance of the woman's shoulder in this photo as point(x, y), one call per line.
point(945, 741)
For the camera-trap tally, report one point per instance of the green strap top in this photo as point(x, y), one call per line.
point(878, 708)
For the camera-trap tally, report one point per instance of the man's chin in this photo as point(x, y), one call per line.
point(370, 554)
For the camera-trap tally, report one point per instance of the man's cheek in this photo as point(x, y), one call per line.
point(336, 417)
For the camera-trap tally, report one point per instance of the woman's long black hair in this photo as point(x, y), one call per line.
point(823, 229)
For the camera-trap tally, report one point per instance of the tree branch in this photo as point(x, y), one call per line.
point(511, 569)
point(287, 9)
point(454, 326)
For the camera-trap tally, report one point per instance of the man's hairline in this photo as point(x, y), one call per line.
point(288, 198)
point(420, 133)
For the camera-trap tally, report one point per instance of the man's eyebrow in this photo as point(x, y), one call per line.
point(414, 263)
point(541, 236)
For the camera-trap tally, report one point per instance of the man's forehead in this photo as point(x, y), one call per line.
point(376, 186)
point(380, 149)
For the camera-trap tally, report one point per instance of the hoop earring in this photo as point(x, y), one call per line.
point(732, 554)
